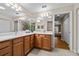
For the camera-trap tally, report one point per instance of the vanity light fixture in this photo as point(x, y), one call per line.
point(58, 15)
point(38, 20)
point(14, 6)
point(19, 9)
point(22, 18)
point(44, 14)
point(8, 4)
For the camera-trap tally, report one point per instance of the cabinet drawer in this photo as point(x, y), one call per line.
point(5, 51)
point(5, 44)
point(17, 40)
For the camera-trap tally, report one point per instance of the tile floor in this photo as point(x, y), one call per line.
point(55, 52)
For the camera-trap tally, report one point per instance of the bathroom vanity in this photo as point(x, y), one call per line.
point(22, 44)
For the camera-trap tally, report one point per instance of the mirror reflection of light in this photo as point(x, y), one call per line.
point(2, 8)
point(38, 20)
point(14, 6)
point(22, 18)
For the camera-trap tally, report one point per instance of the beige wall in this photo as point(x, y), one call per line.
point(7, 24)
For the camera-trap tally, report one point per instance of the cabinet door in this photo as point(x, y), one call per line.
point(46, 42)
point(18, 49)
point(32, 41)
point(27, 44)
point(38, 42)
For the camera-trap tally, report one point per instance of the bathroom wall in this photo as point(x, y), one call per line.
point(6, 25)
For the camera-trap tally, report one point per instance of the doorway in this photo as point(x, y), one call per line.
point(62, 31)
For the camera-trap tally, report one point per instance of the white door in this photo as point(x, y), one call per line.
point(66, 30)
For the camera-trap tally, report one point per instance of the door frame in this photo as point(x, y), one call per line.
point(70, 16)
point(77, 13)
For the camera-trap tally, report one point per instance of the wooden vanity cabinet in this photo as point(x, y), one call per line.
point(6, 48)
point(22, 45)
point(43, 41)
point(27, 44)
point(18, 47)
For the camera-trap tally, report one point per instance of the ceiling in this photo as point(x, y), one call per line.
point(7, 12)
point(11, 13)
point(37, 7)
point(59, 17)
point(30, 8)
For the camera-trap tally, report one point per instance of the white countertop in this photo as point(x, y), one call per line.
point(49, 33)
point(13, 35)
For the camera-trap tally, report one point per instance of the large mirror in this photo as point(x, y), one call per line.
point(26, 26)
